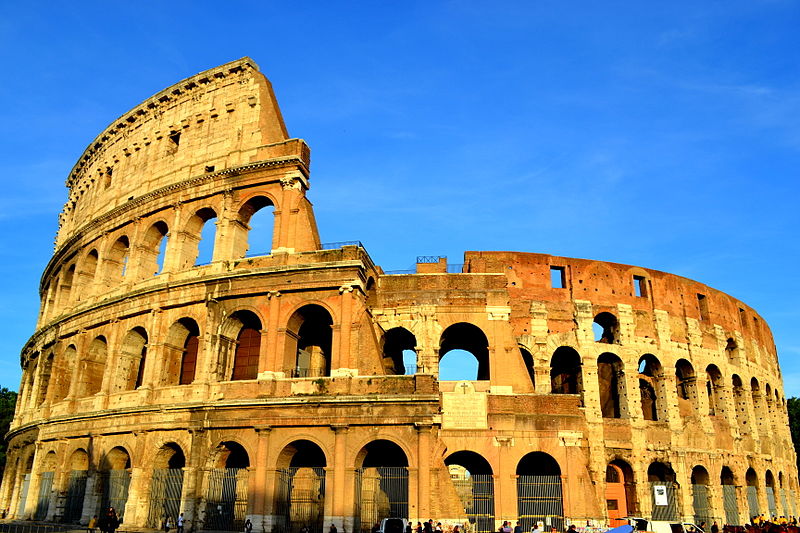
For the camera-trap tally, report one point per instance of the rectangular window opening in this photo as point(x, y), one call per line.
point(640, 286)
point(702, 303)
point(743, 318)
point(175, 137)
point(209, 168)
point(558, 278)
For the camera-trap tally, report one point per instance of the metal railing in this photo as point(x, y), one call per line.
point(298, 372)
point(32, 527)
point(335, 245)
point(430, 258)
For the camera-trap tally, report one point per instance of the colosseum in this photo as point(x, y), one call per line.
point(300, 386)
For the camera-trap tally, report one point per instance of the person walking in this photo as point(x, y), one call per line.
point(248, 526)
point(179, 523)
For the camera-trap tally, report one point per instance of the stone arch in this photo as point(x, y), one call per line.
point(152, 252)
point(473, 480)
point(761, 415)
point(87, 274)
point(751, 481)
point(92, 368)
point(182, 349)
point(132, 359)
point(115, 261)
point(309, 341)
point(686, 387)
point(242, 334)
point(529, 363)
point(45, 375)
point(399, 351)
point(77, 467)
point(242, 225)
point(740, 403)
point(458, 340)
point(729, 498)
point(114, 478)
point(199, 238)
point(166, 484)
point(539, 491)
point(300, 486)
point(664, 491)
point(769, 487)
point(651, 388)
point(611, 384)
point(47, 470)
point(701, 495)
point(565, 371)
point(227, 487)
point(620, 492)
point(732, 349)
point(65, 289)
point(381, 482)
point(606, 328)
point(715, 391)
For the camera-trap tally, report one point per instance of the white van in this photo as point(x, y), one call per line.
point(662, 526)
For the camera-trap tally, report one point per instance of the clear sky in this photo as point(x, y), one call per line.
point(665, 135)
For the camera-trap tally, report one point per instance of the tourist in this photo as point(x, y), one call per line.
point(248, 526)
point(92, 524)
point(332, 529)
point(714, 527)
point(167, 524)
point(419, 527)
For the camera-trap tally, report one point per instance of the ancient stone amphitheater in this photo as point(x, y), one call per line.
point(301, 386)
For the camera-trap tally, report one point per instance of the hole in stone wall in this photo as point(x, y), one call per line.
point(558, 277)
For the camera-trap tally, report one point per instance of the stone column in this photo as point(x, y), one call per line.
point(273, 362)
point(341, 360)
point(261, 492)
point(338, 510)
point(423, 493)
point(192, 478)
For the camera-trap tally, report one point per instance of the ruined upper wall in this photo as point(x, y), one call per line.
point(211, 121)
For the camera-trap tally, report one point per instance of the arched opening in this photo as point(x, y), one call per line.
point(92, 367)
point(731, 349)
point(620, 492)
point(247, 348)
point(46, 474)
point(180, 352)
point(309, 341)
point(715, 389)
point(651, 384)
point(782, 493)
point(701, 500)
point(539, 494)
point(226, 497)
point(729, 500)
point(769, 482)
point(153, 250)
point(740, 401)
point(381, 484)
point(686, 387)
point(399, 352)
point(166, 485)
point(61, 377)
point(460, 347)
point(751, 479)
point(132, 358)
point(527, 360)
point(67, 282)
point(24, 481)
point(114, 478)
point(473, 480)
point(758, 404)
point(201, 234)
point(770, 407)
point(606, 328)
point(664, 491)
point(300, 490)
point(76, 486)
point(45, 374)
point(86, 276)
point(253, 236)
point(116, 262)
point(611, 383)
point(565, 372)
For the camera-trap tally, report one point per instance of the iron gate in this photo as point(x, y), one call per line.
point(165, 496)
point(752, 502)
point(771, 505)
point(76, 490)
point(539, 500)
point(702, 511)
point(300, 499)
point(477, 496)
point(226, 499)
point(381, 492)
point(45, 490)
point(784, 505)
point(23, 494)
point(670, 510)
point(730, 505)
point(114, 490)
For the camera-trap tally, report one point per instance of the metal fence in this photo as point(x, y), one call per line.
point(477, 496)
point(730, 505)
point(784, 504)
point(28, 527)
point(335, 245)
point(114, 490)
point(299, 372)
point(165, 496)
point(381, 492)
point(771, 505)
point(670, 510)
point(300, 500)
point(700, 503)
point(539, 499)
point(752, 502)
point(76, 490)
point(23, 494)
point(45, 489)
point(226, 499)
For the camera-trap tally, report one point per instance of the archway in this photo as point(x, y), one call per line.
point(620, 492)
point(457, 342)
point(769, 482)
point(700, 495)
point(300, 490)
point(399, 352)
point(729, 501)
point(539, 494)
point(611, 382)
point(473, 479)
point(132, 358)
point(166, 485)
point(664, 491)
point(751, 478)
point(226, 495)
point(606, 328)
point(565, 372)
point(381, 484)
point(46, 474)
point(715, 389)
point(310, 341)
point(651, 379)
point(114, 478)
point(76, 486)
point(686, 387)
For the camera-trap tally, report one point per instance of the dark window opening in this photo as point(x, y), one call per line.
point(743, 318)
point(399, 353)
point(640, 286)
point(209, 168)
point(611, 383)
point(245, 360)
point(175, 137)
point(312, 357)
point(565, 372)
point(558, 279)
point(605, 328)
point(702, 304)
point(527, 360)
point(189, 359)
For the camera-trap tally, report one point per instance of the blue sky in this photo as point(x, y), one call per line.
point(665, 135)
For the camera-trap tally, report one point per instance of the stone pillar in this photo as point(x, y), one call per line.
point(273, 362)
point(341, 359)
point(337, 511)
point(259, 492)
point(423, 470)
point(191, 492)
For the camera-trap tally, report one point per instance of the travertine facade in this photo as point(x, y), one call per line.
point(301, 386)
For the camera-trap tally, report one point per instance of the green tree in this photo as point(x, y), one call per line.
point(8, 402)
point(793, 406)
